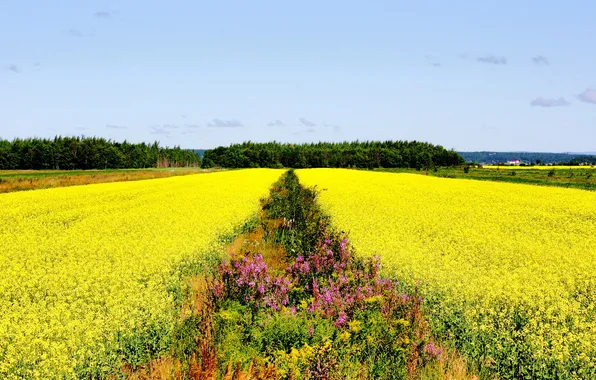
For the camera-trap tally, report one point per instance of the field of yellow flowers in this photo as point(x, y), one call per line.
point(84, 269)
point(507, 270)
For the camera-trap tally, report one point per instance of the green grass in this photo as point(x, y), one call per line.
point(584, 179)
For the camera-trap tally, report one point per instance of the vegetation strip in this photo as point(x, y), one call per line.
point(292, 301)
point(583, 178)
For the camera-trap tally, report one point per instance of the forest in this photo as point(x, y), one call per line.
point(367, 154)
point(80, 153)
point(69, 153)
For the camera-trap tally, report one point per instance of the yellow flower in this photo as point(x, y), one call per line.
point(489, 249)
point(80, 264)
point(344, 336)
point(355, 325)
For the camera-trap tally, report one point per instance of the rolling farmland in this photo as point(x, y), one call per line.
point(86, 269)
point(94, 276)
point(507, 269)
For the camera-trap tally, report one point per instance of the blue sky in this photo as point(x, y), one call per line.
point(490, 75)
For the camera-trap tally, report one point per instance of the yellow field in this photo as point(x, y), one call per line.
point(80, 264)
point(513, 266)
point(536, 167)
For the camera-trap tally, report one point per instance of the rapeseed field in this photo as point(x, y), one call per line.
point(539, 167)
point(507, 271)
point(85, 270)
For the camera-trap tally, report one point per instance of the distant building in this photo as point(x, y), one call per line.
point(513, 162)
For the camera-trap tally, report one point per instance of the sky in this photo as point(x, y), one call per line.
point(503, 75)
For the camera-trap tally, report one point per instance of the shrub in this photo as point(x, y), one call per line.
point(326, 313)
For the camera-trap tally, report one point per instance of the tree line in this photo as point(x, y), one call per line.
point(366, 154)
point(527, 157)
point(581, 160)
point(89, 153)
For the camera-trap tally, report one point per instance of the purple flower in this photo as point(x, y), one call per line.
point(343, 244)
point(341, 320)
point(433, 350)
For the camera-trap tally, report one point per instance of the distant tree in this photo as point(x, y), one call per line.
point(367, 154)
point(89, 153)
point(536, 157)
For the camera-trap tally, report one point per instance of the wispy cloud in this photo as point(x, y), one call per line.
point(336, 128)
point(104, 14)
point(307, 123)
point(162, 129)
point(77, 33)
point(189, 131)
point(432, 61)
point(14, 68)
point(540, 60)
point(588, 96)
point(114, 126)
point(192, 125)
point(81, 128)
point(310, 130)
point(157, 130)
point(493, 60)
point(218, 123)
point(74, 33)
point(549, 102)
point(276, 123)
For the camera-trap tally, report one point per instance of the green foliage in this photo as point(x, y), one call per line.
point(295, 207)
point(136, 348)
point(327, 314)
point(232, 335)
point(144, 343)
point(306, 344)
point(366, 155)
point(70, 153)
